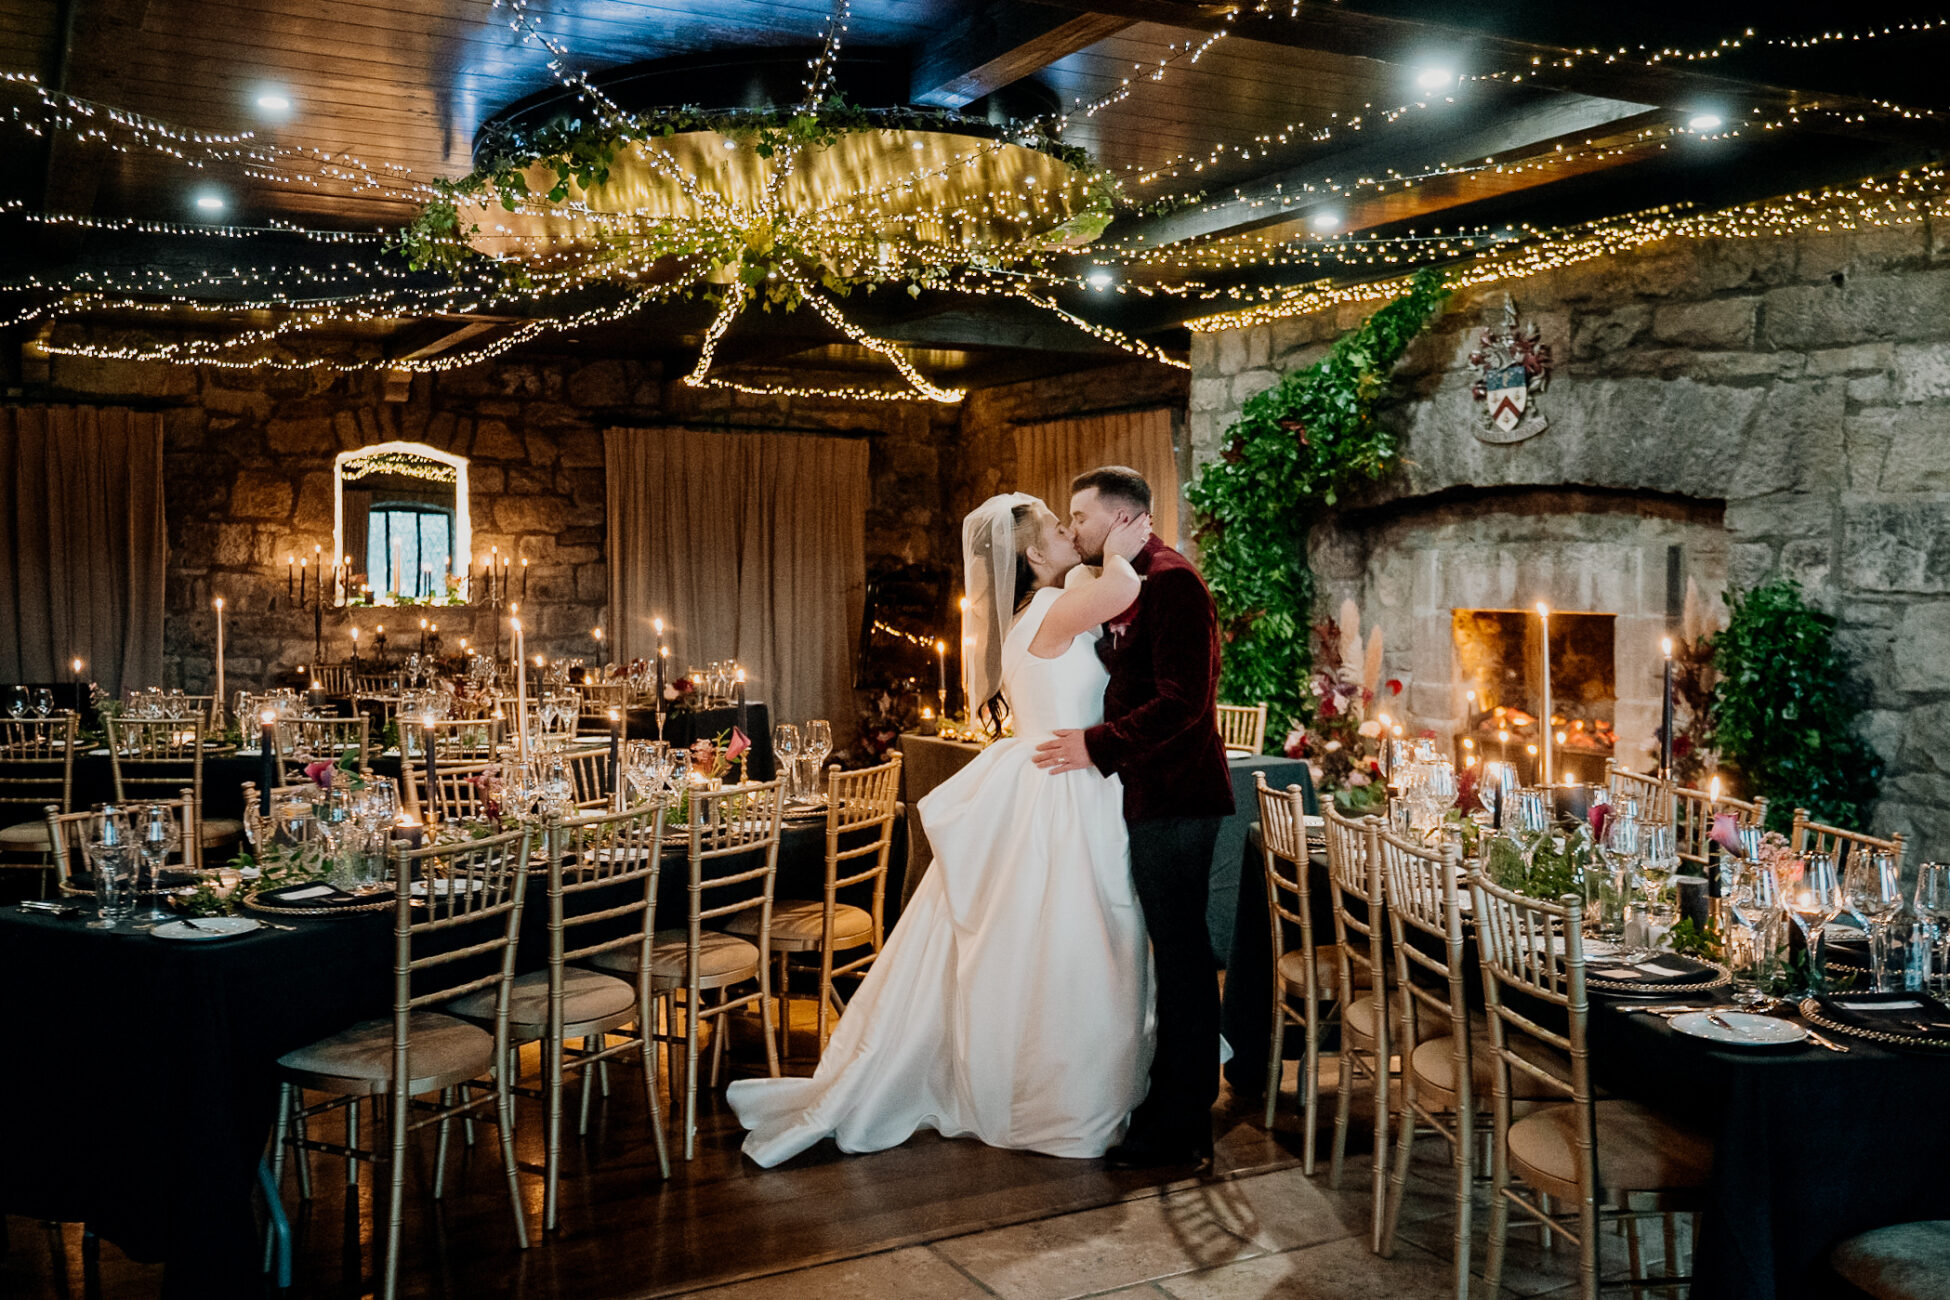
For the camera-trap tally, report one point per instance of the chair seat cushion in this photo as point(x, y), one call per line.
point(1434, 1064)
point(1358, 1017)
point(443, 1051)
point(1327, 969)
point(1638, 1150)
point(220, 830)
point(28, 836)
point(1906, 1261)
point(721, 959)
point(796, 925)
point(586, 995)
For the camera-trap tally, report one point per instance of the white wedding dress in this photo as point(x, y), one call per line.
point(1012, 1002)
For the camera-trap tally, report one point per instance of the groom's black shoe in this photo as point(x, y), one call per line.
point(1146, 1153)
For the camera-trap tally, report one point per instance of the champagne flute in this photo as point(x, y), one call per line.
point(1874, 890)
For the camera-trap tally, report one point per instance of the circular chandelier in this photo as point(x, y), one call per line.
point(775, 208)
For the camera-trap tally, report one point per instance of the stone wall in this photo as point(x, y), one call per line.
point(248, 460)
point(1798, 388)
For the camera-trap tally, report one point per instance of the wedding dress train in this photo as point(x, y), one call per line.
point(1012, 1002)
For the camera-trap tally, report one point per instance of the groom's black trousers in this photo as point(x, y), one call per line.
point(1171, 866)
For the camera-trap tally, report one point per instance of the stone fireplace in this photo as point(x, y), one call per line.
point(1455, 579)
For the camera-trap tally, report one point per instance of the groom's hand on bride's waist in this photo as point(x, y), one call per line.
point(1064, 751)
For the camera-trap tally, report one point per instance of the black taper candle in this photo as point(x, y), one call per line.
point(433, 772)
point(267, 767)
point(616, 759)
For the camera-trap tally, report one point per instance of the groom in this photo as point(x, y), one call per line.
point(1160, 733)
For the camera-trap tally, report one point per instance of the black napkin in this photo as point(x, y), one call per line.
point(307, 894)
point(1912, 1015)
point(1655, 972)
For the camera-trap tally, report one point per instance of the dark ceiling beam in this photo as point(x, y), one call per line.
point(1344, 29)
point(1000, 43)
point(434, 335)
point(1282, 195)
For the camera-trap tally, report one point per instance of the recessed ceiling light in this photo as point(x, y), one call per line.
point(1434, 78)
point(210, 202)
point(1705, 122)
point(1100, 279)
point(272, 101)
point(730, 143)
point(1327, 221)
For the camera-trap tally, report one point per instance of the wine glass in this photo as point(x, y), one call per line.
point(1933, 914)
point(111, 860)
point(1874, 890)
point(819, 739)
point(1658, 863)
point(680, 768)
point(44, 701)
point(787, 745)
point(1754, 902)
point(17, 702)
point(1814, 898)
point(157, 837)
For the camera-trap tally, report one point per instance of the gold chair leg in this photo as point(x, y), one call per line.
point(1309, 1091)
point(396, 1198)
point(582, 1120)
point(1463, 1156)
point(1343, 1108)
point(1275, 1064)
point(504, 1109)
point(551, 1160)
point(765, 1017)
point(1391, 1210)
point(303, 1156)
point(1499, 1229)
point(646, 1022)
point(720, 1031)
point(440, 1145)
point(692, 996)
point(352, 1141)
point(1672, 1253)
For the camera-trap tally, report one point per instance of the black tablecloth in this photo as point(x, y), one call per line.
point(139, 1088)
point(1230, 882)
point(709, 724)
point(1810, 1146)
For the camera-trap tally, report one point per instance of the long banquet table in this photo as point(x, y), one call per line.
point(1810, 1146)
point(140, 1085)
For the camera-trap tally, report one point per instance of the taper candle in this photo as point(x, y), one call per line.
point(521, 691)
point(1665, 718)
point(1544, 622)
point(267, 743)
point(218, 711)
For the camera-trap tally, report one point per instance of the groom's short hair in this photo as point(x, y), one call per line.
point(1117, 483)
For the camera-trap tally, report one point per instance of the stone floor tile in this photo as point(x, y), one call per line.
point(1336, 1270)
point(916, 1273)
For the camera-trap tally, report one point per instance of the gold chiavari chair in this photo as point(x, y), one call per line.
point(375, 684)
point(379, 709)
point(456, 794)
point(308, 740)
point(69, 833)
point(1809, 836)
point(728, 828)
point(1439, 1067)
point(606, 902)
point(860, 807)
point(589, 772)
point(469, 740)
point(36, 769)
point(1693, 812)
point(335, 678)
point(1652, 794)
point(1354, 879)
point(1579, 1151)
point(1243, 728)
point(467, 910)
point(1311, 971)
point(598, 698)
point(151, 758)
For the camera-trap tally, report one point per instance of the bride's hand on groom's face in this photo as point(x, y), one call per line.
point(1064, 751)
point(1127, 536)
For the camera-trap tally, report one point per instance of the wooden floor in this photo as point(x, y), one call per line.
point(625, 1233)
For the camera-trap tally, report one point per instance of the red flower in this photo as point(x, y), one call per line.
point(320, 773)
point(740, 742)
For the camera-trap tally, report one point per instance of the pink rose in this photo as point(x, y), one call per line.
point(320, 773)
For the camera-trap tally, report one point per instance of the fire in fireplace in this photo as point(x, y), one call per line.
point(1497, 652)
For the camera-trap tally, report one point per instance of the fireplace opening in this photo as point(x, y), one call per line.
point(1498, 661)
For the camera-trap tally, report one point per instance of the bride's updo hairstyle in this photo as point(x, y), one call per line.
point(999, 580)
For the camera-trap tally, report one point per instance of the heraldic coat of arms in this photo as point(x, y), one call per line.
point(1513, 368)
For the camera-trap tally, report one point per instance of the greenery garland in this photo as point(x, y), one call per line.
point(1784, 709)
point(583, 152)
point(1295, 448)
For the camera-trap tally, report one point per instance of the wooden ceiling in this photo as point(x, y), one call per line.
point(407, 84)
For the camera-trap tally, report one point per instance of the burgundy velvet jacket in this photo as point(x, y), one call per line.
point(1161, 728)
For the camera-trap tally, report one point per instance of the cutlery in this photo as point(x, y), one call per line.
point(1719, 1021)
point(1822, 1040)
point(1668, 1008)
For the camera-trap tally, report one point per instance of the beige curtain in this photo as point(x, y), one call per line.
point(1051, 453)
point(750, 546)
point(81, 545)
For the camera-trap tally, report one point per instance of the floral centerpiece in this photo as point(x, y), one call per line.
point(711, 760)
point(1341, 743)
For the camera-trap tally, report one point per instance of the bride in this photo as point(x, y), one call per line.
point(1012, 1002)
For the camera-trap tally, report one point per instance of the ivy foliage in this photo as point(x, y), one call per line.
point(1785, 707)
point(1296, 448)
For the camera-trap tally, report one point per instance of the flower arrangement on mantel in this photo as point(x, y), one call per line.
point(1295, 449)
point(1341, 744)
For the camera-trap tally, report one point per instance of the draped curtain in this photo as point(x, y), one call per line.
point(750, 546)
point(81, 545)
point(1051, 453)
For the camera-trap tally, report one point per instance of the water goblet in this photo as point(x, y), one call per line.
point(819, 739)
point(786, 744)
point(17, 702)
point(1658, 863)
point(1814, 898)
point(1932, 904)
point(1754, 903)
point(157, 836)
point(1873, 889)
point(44, 701)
